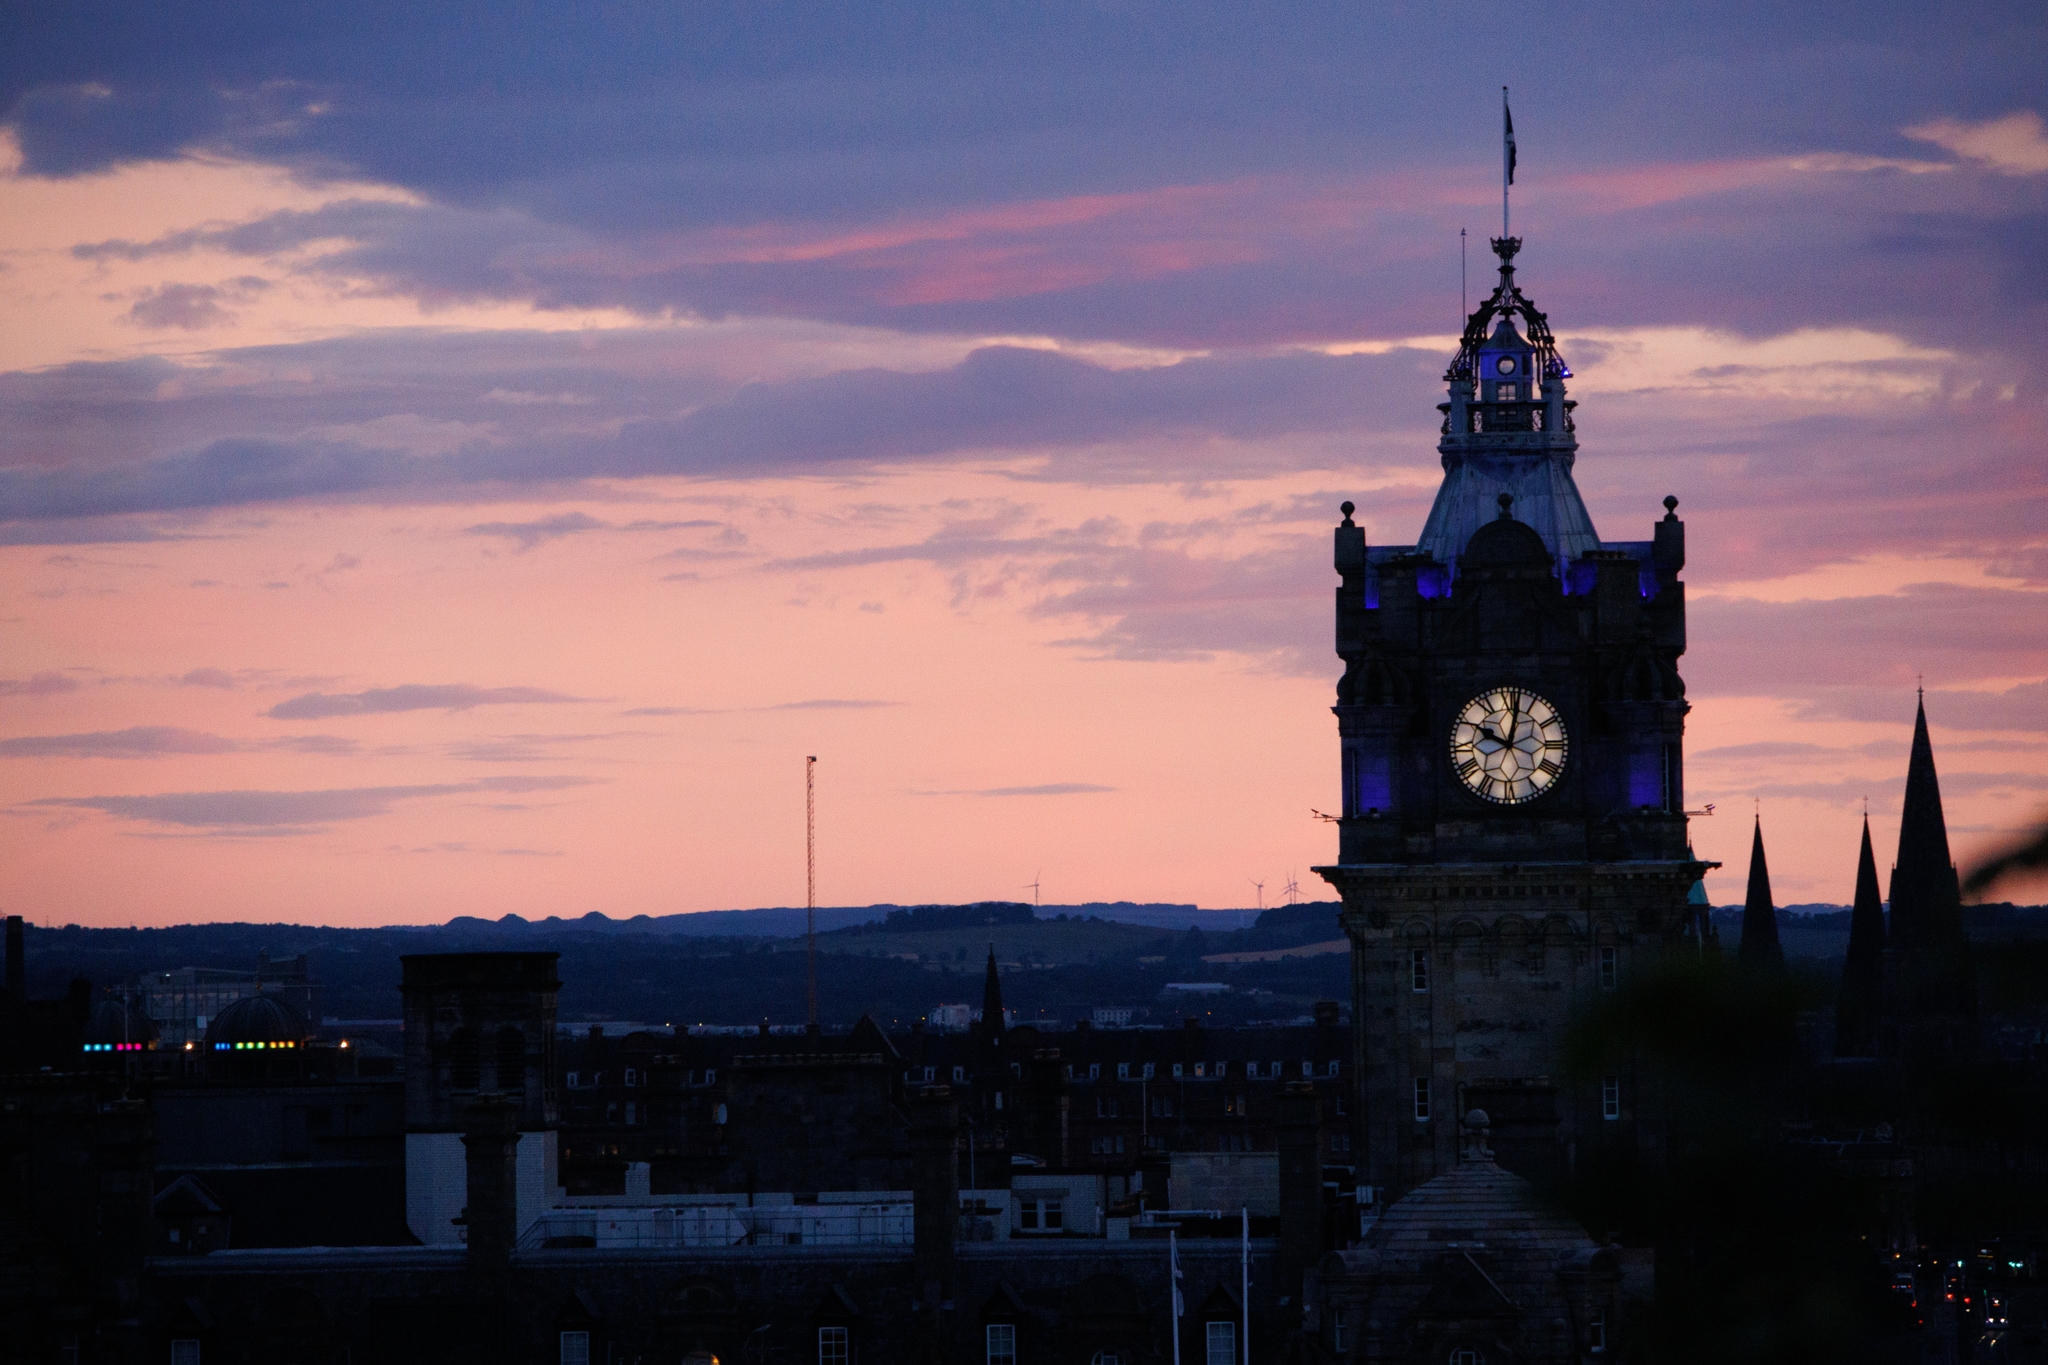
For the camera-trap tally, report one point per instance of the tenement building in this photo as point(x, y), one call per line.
point(1513, 833)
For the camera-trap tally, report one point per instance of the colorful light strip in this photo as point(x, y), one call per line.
point(116, 1047)
point(247, 1047)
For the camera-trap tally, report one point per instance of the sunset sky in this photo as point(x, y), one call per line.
point(461, 459)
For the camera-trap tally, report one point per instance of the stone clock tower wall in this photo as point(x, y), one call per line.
point(1482, 915)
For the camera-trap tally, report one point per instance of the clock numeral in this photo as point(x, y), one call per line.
point(1467, 768)
point(1549, 765)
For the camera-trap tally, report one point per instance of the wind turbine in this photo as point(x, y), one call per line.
point(1033, 885)
point(1293, 890)
point(1260, 888)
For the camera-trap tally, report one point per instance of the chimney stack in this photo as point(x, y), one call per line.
point(935, 1169)
point(1302, 1237)
point(490, 1138)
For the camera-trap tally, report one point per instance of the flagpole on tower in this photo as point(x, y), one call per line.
point(1507, 157)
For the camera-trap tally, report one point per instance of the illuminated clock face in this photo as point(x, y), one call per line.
point(1506, 364)
point(1508, 745)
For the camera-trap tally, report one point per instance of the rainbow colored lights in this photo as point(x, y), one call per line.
point(251, 1047)
point(117, 1047)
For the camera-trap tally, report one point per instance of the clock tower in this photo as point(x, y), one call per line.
point(1513, 837)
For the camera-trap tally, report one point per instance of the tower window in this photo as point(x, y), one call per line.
point(1350, 782)
point(1222, 1344)
point(1418, 970)
point(1176, 1070)
point(1596, 1331)
point(931, 1073)
point(1422, 1099)
point(1094, 1071)
point(1148, 1070)
point(1001, 1341)
point(1610, 967)
point(1123, 1071)
point(511, 1059)
point(465, 1060)
point(1610, 1097)
point(1673, 800)
point(574, 1348)
point(832, 1346)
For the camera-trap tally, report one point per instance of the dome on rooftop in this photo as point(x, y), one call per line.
point(1503, 542)
point(257, 1019)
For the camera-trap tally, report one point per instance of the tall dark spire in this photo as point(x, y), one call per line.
point(1858, 1004)
point(1927, 909)
point(1759, 945)
point(992, 1000)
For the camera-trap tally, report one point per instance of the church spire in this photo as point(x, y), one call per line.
point(1759, 945)
point(1927, 910)
point(992, 1000)
point(1857, 1006)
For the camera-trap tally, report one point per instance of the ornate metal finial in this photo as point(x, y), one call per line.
point(1347, 509)
point(1671, 508)
point(1505, 248)
point(1506, 501)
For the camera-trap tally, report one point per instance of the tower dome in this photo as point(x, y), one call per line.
point(256, 1023)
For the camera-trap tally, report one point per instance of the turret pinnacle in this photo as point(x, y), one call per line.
point(1858, 1005)
point(992, 999)
point(1759, 945)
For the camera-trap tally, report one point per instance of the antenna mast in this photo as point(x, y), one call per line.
point(811, 889)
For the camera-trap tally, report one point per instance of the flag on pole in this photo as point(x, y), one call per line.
point(1508, 132)
point(1173, 1257)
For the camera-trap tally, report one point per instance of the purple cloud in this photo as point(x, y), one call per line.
point(289, 812)
point(45, 684)
point(412, 697)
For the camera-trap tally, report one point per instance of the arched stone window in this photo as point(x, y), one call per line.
point(465, 1060)
point(511, 1059)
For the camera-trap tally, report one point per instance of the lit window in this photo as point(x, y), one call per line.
point(1610, 1097)
point(1222, 1344)
point(832, 1347)
point(1609, 968)
point(1002, 1343)
point(185, 1351)
point(575, 1348)
point(1418, 970)
point(1422, 1099)
point(1123, 1071)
